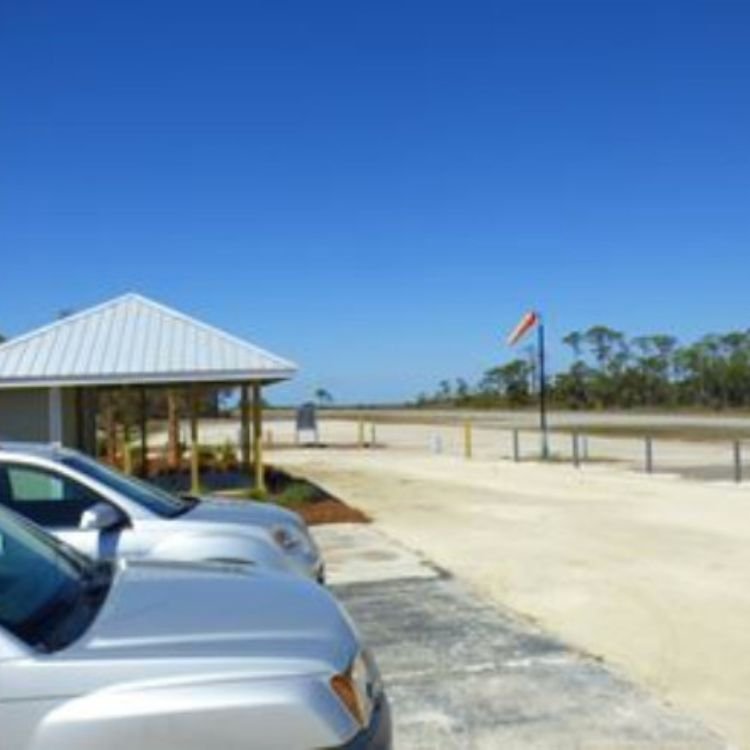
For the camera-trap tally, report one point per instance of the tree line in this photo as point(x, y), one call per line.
point(611, 370)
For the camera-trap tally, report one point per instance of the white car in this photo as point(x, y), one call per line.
point(105, 514)
point(158, 655)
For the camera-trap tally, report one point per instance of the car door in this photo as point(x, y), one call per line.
point(55, 502)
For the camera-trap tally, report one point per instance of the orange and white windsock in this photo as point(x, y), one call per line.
point(527, 322)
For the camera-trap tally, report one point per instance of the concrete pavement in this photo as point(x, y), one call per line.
point(463, 673)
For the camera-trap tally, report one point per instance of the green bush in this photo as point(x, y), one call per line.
point(298, 493)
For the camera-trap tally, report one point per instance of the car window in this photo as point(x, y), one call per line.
point(45, 497)
point(28, 485)
point(41, 581)
point(148, 496)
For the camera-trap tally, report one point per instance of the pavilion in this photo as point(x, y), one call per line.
point(49, 377)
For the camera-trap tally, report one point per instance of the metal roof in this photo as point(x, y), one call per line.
point(131, 340)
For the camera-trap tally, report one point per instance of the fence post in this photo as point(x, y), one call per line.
point(576, 454)
point(516, 447)
point(436, 444)
point(737, 461)
point(649, 455)
point(467, 439)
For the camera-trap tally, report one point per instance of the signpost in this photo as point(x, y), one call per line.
point(307, 421)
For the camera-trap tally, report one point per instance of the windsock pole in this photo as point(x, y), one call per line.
point(527, 322)
point(542, 391)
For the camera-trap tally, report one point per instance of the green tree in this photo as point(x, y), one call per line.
point(323, 397)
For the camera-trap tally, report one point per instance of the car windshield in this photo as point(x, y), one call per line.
point(146, 495)
point(41, 579)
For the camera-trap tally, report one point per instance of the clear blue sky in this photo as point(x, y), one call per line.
point(379, 189)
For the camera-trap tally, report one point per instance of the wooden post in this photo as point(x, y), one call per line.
point(195, 476)
point(468, 447)
point(260, 483)
point(110, 428)
point(127, 457)
point(245, 427)
point(144, 432)
point(174, 457)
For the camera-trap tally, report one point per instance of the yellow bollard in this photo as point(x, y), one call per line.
point(127, 458)
point(467, 439)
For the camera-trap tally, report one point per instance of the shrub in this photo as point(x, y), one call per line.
point(298, 493)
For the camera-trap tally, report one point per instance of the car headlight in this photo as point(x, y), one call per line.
point(359, 687)
point(287, 537)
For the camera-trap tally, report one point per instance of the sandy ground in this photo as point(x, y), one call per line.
point(650, 572)
point(462, 672)
point(492, 437)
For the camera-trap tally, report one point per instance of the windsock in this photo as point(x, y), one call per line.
point(527, 322)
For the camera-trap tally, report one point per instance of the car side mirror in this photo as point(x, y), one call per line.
point(101, 517)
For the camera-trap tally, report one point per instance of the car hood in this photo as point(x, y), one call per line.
point(220, 510)
point(164, 610)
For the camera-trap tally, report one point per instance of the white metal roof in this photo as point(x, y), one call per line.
point(131, 340)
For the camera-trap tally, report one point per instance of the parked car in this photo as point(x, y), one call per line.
point(104, 513)
point(157, 655)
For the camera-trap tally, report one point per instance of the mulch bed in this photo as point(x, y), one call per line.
point(331, 510)
point(309, 500)
point(319, 506)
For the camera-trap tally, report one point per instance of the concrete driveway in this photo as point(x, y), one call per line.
point(463, 673)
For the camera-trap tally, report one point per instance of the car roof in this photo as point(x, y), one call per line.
point(50, 451)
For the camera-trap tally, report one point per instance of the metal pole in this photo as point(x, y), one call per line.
point(516, 447)
point(542, 393)
point(649, 455)
point(737, 461)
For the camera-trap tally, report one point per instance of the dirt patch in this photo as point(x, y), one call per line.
point(331, 511)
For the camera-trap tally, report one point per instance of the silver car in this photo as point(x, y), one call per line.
point(104, 513)
point(156, 655)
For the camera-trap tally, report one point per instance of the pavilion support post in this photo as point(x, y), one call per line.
point(127, 455)
point(195, 479)
point(174, 455)
point(144, 432)
point(260, 484)
point(110, 428)
point(245, 427)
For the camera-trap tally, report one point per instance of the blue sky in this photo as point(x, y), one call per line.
point(378, 190)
